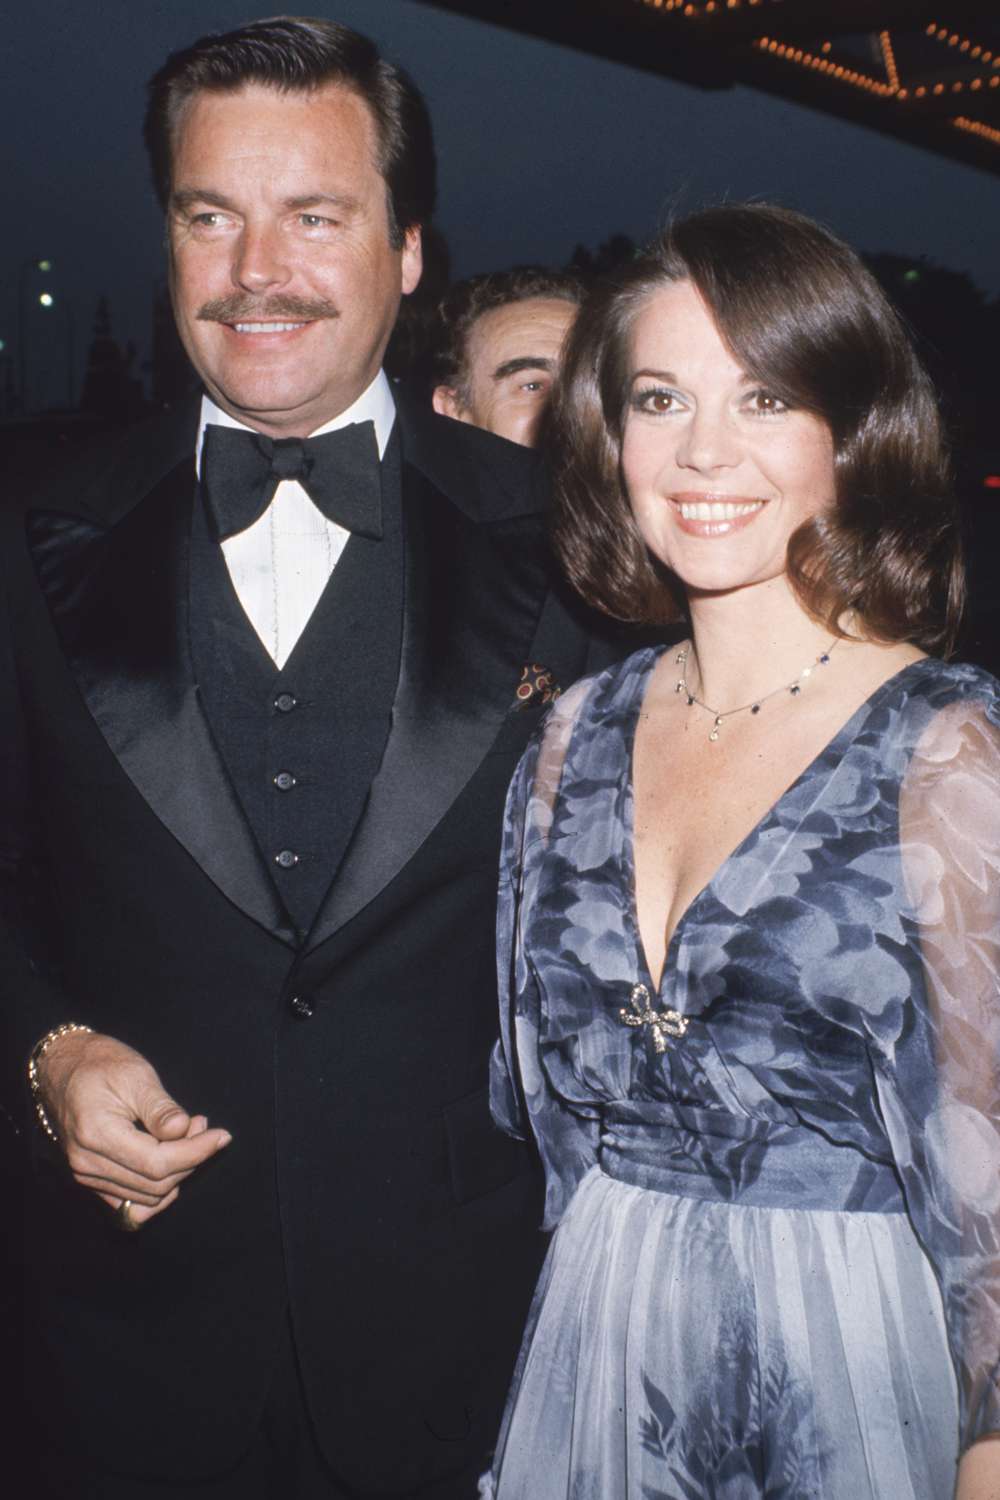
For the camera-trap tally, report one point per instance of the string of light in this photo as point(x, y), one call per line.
point(889, 59)
point(827, 66)
point(976, 127)
point(705, 8)
point(963, 43)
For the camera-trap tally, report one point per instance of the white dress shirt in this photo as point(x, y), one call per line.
point(281, 564)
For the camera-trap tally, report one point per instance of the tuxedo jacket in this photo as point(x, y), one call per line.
point(366, 1191)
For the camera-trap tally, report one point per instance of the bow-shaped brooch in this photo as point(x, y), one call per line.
point(661, 1023)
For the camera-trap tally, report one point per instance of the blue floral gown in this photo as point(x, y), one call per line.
point(775, 1270)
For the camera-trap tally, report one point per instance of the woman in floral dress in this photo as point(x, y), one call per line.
point(749, 913)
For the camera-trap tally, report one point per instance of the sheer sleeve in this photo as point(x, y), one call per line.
point(937, 1067)
point(521, 1095)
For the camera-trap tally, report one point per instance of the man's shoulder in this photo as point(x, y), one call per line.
point(485, 476)
point(106, 477)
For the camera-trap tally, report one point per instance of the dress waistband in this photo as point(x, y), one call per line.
point(698, 1153)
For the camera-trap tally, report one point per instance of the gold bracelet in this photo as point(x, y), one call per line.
point(34, 1082)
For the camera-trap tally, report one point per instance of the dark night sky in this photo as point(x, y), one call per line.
point(540, 148)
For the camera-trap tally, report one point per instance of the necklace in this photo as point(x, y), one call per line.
point(793, 688)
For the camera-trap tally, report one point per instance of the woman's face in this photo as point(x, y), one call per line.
point(718, 470)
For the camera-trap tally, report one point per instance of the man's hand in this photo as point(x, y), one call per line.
point(98, 1093)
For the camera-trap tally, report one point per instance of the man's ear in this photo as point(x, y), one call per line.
point(412, 259)
point(446, 403)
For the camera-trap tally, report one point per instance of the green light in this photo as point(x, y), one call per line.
point(911, 275)
point(47, 299)
point(45, 265)
point(3, 345)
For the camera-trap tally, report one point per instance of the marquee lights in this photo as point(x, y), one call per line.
point(825, 64)
point(976, 127)
point(889, 59)
point(963, 43)
point(704, 7)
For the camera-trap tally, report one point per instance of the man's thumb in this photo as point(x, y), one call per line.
point(164, 1118)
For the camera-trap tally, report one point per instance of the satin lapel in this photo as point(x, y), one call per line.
point(118, 599)
point(473, 596)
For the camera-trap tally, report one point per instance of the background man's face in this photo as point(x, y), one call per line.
point(284, 283)
point(511, 359)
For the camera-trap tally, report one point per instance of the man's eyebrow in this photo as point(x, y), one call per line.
point(183, 198)
point(526, 362)
point(343, 202)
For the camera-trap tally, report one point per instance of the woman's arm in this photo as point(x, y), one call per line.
point(938, 1066)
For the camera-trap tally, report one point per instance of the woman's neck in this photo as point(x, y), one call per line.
point(749, 642)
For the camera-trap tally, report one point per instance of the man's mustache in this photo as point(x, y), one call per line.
point(239, 308)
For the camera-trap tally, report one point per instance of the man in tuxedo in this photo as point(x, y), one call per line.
point(267, 668)
point(501, 342)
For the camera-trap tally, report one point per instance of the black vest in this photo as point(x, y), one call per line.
point(302, 744)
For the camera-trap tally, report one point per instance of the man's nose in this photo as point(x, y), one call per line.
point(261, 261)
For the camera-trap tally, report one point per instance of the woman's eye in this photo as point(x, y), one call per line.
point(657, 401)
point(766, 403)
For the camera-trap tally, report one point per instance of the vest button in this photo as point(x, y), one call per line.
point(284, 781)
point(285, 702)
point(302, 1006)
point(286, 859)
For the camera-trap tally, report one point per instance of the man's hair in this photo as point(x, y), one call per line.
point(300, 54)
point(466, 302)
point(800, 313)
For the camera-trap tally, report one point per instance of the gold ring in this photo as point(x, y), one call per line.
point(124, 1219)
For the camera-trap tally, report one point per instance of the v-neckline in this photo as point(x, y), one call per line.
point(833, 744)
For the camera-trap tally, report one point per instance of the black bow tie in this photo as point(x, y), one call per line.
point(339, 471)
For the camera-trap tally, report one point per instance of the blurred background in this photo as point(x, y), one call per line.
point(567, 133)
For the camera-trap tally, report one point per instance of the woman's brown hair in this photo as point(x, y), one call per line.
point(800, 313)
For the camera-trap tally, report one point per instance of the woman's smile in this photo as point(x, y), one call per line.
point(714, 515)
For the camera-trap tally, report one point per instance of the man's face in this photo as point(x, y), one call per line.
point(512, 357)
point(284, 283)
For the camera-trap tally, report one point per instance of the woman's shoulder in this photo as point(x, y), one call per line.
point(959, 678)
point(948, 719)
point(953, 688)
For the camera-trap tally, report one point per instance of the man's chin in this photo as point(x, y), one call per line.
point(274, 408)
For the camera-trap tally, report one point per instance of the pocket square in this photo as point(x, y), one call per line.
point(537, 686)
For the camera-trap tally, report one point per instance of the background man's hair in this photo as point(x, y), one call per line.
point(300, 54)
point(466, 302)
point(801, 314)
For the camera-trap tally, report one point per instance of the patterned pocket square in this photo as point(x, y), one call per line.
point(536, 687)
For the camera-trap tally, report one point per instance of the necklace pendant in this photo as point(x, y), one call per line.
point(715, 728)
point(755, 708)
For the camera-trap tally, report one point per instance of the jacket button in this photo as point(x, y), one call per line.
point(285, 702)
point(301, 1006)
point(284, 781)
point(286, 859)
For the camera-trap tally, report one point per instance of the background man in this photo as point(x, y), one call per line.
point(501, 344)
point(264, 696)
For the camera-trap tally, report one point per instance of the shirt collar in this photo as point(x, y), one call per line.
point(375, 404)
